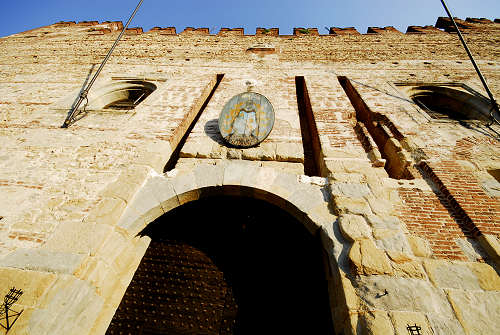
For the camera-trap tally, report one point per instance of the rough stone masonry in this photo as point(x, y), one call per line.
point(382, 144)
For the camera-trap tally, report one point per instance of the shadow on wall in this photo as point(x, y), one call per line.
point(212, 131)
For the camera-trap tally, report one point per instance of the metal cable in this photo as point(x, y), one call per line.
point(83, 94)
point(476, 67)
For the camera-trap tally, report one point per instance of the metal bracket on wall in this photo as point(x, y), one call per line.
point(414, 330)
point(74, 115)
point(9, 315)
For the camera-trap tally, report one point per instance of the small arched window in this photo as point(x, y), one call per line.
point(122, 95)
point(454, 103)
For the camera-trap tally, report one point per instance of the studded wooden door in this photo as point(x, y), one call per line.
point(227, 265)
point(176, 290)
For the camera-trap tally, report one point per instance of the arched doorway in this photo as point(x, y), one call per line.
point(227, 265)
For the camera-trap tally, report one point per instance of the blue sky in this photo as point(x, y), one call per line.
point(17, 16)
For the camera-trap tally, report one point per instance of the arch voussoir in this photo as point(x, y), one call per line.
point(162, 193)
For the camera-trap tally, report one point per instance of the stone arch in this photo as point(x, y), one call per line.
point(303, 197)
point(114, 94)
point(451, 101)
point(112, 267)
point(100, 255)
point(123, 94)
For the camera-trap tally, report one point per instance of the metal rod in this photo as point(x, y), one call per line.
point(7, 316)
point(483, 81)
point(84, 93)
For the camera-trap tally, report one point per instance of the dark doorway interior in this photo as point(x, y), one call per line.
point(227, 265)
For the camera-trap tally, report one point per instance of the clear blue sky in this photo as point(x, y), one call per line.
point(17, 16)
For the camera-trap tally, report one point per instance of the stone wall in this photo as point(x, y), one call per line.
point(407, 207)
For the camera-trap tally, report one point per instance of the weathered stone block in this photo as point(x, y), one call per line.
point(189, 149)
point(185, 187)
point(354, 227)
point(265, 178)
point(374, 323)
point(322, 215)
point(393, 240)
point(268, 151)
point(154, 160)
point(78, 237)
point(379, 206)
point(284, 185)
point(204, 148)
point(347, 205)
point(384, 222)
point(107, 211)
point(103, 321)
point(290, 152)
point(488, 278)
point(95, 271)
point(419, 246)
point(184, 181)
point(33, 283)
point(71, 307)
point(306, 197)
point(476, 310)
point(251, 154)
point(218, 151)
point(403, 294)
point(366, 259)
point(163, 190)
point(356, 178)
point(350, 190)
point(492, 246)
point(43, 260)
point(127, 183)
point(113, 246)
point(401, 320)
point(443, 326)
point(472, 249)
point(131, 222)
point(233, 173)
point(409, 270)
point(209, 175)
point(451, 275)
point(233, 153)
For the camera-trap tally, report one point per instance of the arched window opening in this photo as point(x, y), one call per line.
point(458, 103)
point(123, 95)
point(227, 265)
point(495, 173)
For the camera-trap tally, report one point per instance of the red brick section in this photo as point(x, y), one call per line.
point(339, 129)
point(469, 147)
point(428, 216)
point(479, 211)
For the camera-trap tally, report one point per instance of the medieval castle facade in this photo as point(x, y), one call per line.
point(382, 147)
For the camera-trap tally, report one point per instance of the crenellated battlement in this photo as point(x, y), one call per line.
point(343, 31)
point(384, 30)
point(423, 30)
point(305, 31)
point(443, 25)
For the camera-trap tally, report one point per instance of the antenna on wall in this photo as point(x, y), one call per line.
point(483, 81)
point(73, 113)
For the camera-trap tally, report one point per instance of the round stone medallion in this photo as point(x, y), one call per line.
point(246, 120)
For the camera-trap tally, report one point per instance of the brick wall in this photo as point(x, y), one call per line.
point(430, 216)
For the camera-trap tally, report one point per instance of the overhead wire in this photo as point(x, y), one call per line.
point(476, 67)
point(70, 119)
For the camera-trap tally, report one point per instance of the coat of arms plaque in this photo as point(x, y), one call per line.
point(246, 120)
